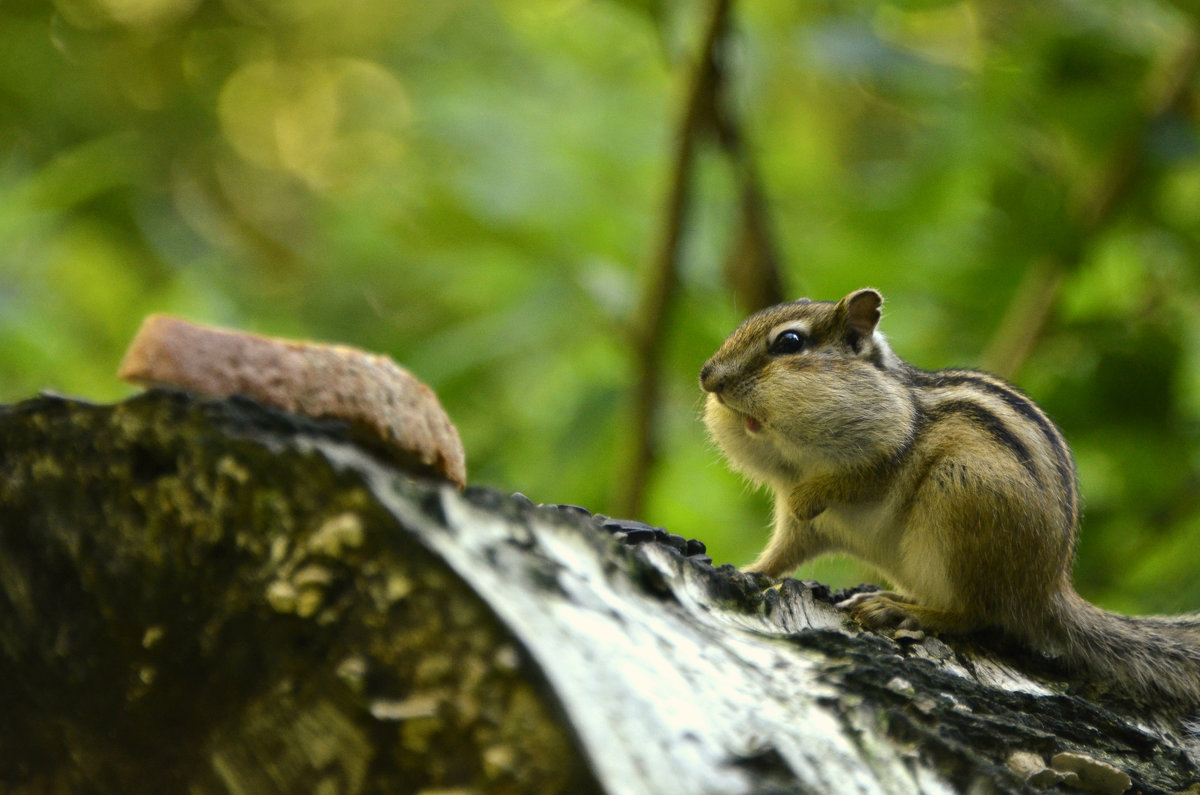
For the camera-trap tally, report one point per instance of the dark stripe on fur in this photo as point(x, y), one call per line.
point(1021, 404)
point(990, 422)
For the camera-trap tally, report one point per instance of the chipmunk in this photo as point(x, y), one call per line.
point(953, 483)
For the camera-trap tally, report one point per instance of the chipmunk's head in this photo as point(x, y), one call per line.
point(805, 385)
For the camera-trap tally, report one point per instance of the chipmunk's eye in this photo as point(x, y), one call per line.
point(790, 341)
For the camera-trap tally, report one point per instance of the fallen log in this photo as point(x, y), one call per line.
point(212, 595)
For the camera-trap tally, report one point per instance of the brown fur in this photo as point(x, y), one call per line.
point(953, 483)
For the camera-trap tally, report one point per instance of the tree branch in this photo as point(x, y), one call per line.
point(652, 312)
point(752, 269)
point(1028, 314)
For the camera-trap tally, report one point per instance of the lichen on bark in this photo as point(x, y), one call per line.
point(191, 600)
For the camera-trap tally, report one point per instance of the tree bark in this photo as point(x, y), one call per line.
point(212, 596)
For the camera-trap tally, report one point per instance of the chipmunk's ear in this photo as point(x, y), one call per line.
point(861, 312)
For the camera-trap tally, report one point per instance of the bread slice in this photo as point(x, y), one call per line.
point(308, 378)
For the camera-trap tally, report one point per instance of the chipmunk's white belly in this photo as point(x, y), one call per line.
point(873, 533)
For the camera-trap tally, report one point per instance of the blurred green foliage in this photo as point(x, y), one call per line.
point(476, 187)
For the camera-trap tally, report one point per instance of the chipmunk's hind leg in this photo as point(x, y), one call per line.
point(889, 610)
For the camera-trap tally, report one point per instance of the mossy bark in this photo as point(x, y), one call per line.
point(211, 596)
point(194, 598)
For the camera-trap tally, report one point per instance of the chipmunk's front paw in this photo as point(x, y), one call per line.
point(879, 610)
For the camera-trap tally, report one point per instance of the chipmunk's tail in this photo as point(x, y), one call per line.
point(1151, 659)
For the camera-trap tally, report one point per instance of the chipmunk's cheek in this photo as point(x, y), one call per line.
point(753, 426)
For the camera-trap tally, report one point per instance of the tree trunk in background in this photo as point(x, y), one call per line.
point(210, 596)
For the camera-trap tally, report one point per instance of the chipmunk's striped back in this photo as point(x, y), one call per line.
point(1013, 421)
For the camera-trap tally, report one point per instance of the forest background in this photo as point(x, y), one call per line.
point(553, 211)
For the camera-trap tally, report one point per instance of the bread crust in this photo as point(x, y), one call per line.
point(314, 379)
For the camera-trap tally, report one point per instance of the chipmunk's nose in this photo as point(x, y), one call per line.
point(713, 377)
